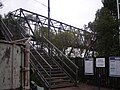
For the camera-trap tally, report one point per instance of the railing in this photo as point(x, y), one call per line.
point(60, 58)
point(64, 60)
point(70, 68)
point(36, 70)
point(34, 61)
point(5, 30)
point(40, 75)
point(57, 63)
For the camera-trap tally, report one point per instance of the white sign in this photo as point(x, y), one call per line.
point(114, 66)
point(100, 62)
point(88, 66)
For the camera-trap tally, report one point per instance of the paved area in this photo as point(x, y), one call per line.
point(83, 87)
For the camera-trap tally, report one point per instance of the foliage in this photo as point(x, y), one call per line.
point(111, 5)
point(66, 41)
point(105, 27)
point(63, 40)
point(42, 31)
point(12, 27)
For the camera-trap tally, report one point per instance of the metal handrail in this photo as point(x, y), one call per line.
point(63, 62)
point(50, 67)
point(60, 52)
point(76, 67)
point(39, 64)
point(34, 48)
point(34, 66)
point(61, 66)
point(30, 44)
point(42, 57)
point(6, 28)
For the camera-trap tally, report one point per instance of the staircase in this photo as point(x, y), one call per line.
point(57, 77)
point(53, 69)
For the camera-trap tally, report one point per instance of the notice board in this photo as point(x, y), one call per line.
point(100, 62)
point(114, 66)
point(88, 65)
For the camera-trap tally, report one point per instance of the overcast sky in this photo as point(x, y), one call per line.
point(73, 12)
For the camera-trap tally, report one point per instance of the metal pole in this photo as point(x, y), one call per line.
point(118, 9)
point(76, 77)
point(49, 25)
point(118, 12)
point(99, 78)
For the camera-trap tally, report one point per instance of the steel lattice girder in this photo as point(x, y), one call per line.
point(55, 26)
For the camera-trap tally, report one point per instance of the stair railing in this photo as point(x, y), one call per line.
point(6, 30)
point(50, 67)
point(58, 64)
point(36, 70)
point(64, 60)
point(36, 60)
point(66, 63)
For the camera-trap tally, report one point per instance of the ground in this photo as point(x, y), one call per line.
point(83, 87)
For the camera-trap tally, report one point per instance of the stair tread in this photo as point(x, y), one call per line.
point(53, 66)
point(58, 77)
point(59, 74)
point(52, 72)
point(60, 80)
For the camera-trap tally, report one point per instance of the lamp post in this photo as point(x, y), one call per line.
point(49, 25)
point(118, 9)
point(48, 19)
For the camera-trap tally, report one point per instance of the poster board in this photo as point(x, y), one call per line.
point(88, 65)
point(114, 66)
point(100, 62)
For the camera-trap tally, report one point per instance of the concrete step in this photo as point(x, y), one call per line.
point(53, 78)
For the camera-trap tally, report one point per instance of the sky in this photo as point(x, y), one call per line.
point(73, 12)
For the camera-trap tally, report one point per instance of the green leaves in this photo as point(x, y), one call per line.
point(105, 26)
point(63, 40)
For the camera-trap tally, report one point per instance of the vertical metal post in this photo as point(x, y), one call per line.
point(27, 68)
point(76, 77)
point(13, 54)
point(22, 65)
point(49, 25)
point(99, 79)
point(50, 80)
point(118, 12)
point(118, 9)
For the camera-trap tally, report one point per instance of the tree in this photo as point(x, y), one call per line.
point(111, 5)
point(12, 28)
point(63, 40)
point(105, 27)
